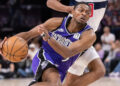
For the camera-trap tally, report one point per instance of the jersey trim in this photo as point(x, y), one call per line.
point(67, 23)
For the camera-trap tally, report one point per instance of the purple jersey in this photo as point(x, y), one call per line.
point(65, 38)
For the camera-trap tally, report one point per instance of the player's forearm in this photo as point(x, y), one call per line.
point(29, 34)
point(56, 5)
point(26, 35)
point(62, 50)
point(70, 51)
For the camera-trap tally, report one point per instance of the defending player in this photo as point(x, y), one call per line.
point(98, 8)
point(64, 40)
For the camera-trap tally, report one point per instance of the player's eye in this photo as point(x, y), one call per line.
point(81, 10)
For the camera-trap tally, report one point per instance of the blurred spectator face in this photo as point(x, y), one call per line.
point(98, 47)
point(106, 30)
point(32, 47)
point(111, 7)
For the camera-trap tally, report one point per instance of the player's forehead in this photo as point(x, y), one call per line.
point(83, 7)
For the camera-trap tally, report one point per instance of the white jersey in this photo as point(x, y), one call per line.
point(98, 10)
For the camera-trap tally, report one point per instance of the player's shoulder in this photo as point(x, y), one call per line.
point(55, 19)
point(53, 23)
point(88, 30)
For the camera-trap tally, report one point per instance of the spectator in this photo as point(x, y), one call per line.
point(24, 68)
point(110, 57)
point(32, 50)
point(34, 47)
point(7, 69)
point(117, 21)
point(107, 39)
point(99, 50)
point(116, 71)
point(15, 13)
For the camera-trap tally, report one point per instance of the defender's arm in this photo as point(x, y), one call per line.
point(56, 5)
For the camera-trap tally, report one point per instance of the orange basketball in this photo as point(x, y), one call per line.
point(15, 49)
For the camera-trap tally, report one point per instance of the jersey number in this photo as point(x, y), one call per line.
point(92, 9)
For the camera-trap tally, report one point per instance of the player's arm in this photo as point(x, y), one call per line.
point(86, 40)
point(56, 5)
point(49, 25)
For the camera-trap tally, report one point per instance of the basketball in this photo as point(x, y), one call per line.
point(15, 49)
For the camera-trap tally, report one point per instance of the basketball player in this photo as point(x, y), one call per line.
point(97, 13)
point(64, 40)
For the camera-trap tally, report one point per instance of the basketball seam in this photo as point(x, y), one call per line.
point(19, 49)
point(13, 46)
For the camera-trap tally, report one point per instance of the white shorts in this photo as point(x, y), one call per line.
point(82, 62)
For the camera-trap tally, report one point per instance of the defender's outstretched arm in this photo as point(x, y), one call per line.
point(56, 5)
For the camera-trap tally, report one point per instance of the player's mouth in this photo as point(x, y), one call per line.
point(83, 19)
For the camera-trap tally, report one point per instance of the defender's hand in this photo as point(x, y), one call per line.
point(1, 44)
point(44, 33)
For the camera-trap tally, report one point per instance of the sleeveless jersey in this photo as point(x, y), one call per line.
point(65, 38)
point(98, 11)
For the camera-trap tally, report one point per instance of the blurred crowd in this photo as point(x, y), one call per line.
point(109, 51)
point(21, 15)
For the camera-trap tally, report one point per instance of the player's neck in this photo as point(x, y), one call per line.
point(74, 26)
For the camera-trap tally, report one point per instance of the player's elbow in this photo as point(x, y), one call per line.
point(92, 39)
point(100, 73)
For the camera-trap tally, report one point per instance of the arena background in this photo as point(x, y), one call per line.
point(22, 15)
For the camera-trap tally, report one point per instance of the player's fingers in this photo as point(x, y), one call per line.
point(1, 44)
point(5, 39)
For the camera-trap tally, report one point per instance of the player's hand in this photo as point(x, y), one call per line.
point(1, 44)
point(69, 9)
point(44, 33)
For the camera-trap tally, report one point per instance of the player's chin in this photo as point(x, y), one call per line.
point(82, 22)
